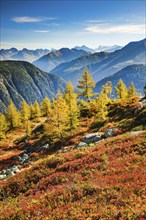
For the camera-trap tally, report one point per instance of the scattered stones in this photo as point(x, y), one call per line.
point(15, 169)
point(17, 158)
point(42, 148)
point(110, 132)
point(11, 171)
point(23, 161)
point(25, 157)
point(80, 145)
point(2, 176)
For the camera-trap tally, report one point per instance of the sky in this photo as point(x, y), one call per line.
point(57, 23)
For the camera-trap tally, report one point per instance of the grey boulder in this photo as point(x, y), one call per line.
point(91, 138)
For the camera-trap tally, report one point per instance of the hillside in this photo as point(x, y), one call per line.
point(71, 70)
point(132, 53)
point(95, 183)
point(66, 180)
point(23, 55)
point(133, 73)
point(22, 80)
point(51, 60)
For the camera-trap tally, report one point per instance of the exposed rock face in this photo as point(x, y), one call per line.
point(91, 138)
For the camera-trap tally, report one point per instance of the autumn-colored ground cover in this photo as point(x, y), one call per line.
point(106, 181)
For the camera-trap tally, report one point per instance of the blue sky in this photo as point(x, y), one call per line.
point(56, 24)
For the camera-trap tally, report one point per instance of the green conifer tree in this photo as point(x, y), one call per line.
point(46, 107)
point(71, 101)
point(121, 89)
point(13, 116)
point(86, 85)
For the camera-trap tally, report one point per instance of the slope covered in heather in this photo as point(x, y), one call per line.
point(100, 181)
point(104, 181)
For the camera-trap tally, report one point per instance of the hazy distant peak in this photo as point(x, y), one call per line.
point(108, 48)
point(85, 48)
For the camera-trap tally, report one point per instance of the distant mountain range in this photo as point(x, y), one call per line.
point(110, 63)
point(33, 55)
point(108, 48)
point(99, 48)
point(85, 48)
point(135, 73)
point(70, 71)
point(51, 60)
point(24, 55)
point(21, 80)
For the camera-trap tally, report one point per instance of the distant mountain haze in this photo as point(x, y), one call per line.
point(23, 55)
point(53, 59)
point(108, 48)
point(21, 80)
point(99, 48)
point(135, 73)
point(85, 48)
point(71, 71)
point(107, 64)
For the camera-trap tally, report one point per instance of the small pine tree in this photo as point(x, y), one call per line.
point(25, 111)
point(86, 85)
point(131, 91)
point(46, 107)
point(107, 89)
point(3, 126)
point(13, 116)
point(121, 89)
point(71, 101)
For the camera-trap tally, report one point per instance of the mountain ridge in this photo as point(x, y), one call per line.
point(132, 53)
point(135, 73)
point(24, 54)
point(21, 80)
point(53, 59)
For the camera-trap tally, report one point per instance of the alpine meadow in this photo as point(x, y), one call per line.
point(73, 110)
